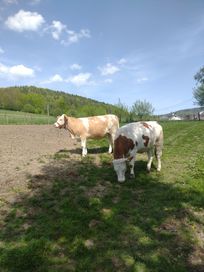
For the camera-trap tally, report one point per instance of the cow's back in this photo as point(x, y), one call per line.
point(141, 135)
point(99, 126)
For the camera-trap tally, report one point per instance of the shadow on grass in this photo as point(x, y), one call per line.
point(78, 218)
point(91, 150)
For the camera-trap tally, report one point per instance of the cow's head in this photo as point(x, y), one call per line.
point(120, 167)
point(61, 121)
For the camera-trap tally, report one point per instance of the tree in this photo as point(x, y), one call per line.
point(199, 95)
point(122, 111)
point(141, 109)
point(198, 92)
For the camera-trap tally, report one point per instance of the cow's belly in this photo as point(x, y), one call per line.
point(142, 150)
point(96, 136)
point(145, 149)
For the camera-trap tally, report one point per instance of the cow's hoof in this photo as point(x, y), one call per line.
point(132, 176)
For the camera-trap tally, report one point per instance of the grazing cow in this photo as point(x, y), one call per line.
point(137, 137)
point(90, 127)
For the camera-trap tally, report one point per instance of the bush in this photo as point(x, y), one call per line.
point(28, 108)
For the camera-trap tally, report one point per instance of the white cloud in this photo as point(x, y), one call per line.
point(74, 37)
point(55, 78)
point(33, 21)
point(122, 61)
point(25, 21)
point(109, 69)
point(56, 28)
point(16, 71)
point(80, 79)
point(10, 2)
point(21, 70)
point(75, 66)
point(1, 51)
point(66, 36)
point(3, 69)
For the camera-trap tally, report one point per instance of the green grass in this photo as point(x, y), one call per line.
point(22, 118)
point(78, 218)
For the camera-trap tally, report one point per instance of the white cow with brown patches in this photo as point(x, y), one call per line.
point(90, 127)
point(137, 137)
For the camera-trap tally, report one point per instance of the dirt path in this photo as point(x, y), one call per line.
point(23, 150)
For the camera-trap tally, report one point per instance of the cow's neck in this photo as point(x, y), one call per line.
point(71, 125)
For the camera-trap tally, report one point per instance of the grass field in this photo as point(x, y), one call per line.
point(78, 218)
point(22, 118)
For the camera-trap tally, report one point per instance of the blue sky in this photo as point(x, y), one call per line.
point(106, 50)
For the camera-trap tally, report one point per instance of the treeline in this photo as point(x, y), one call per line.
point(45, 101)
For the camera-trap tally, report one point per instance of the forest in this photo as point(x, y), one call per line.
point(45, 101)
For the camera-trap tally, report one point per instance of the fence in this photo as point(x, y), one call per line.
point(25, 119)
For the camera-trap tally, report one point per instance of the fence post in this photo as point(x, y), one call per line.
point(48, 114)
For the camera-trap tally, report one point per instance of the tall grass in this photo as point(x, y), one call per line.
point(22, 118)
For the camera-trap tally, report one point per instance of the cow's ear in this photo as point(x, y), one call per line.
point(65, 119)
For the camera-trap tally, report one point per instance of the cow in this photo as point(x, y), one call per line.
point(90, 127)
point(137, 137)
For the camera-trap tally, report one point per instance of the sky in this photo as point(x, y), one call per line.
point(110, 50)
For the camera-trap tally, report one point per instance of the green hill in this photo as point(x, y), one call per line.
point(45, 101)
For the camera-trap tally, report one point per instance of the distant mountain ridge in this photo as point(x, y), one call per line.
point(189, 111)
point(184, 113)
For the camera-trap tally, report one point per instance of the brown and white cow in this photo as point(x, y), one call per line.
point(90, 127)
point(137, 137)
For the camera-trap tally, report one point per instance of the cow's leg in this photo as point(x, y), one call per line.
point(132, 164)
point(158, 153)
point(150, 159)
point(110, 139)
point(84, 149)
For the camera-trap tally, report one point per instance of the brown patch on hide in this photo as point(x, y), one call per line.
point(146, 125)
point(122, 146)
point(146, 140)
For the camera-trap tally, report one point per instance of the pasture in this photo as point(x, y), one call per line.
point(23, 118)
point(61, 212)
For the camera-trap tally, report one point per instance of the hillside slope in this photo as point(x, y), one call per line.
point(39, 100)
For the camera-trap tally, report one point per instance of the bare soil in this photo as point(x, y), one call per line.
point(24, 149)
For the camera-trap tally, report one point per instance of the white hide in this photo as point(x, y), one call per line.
point(136, 132)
